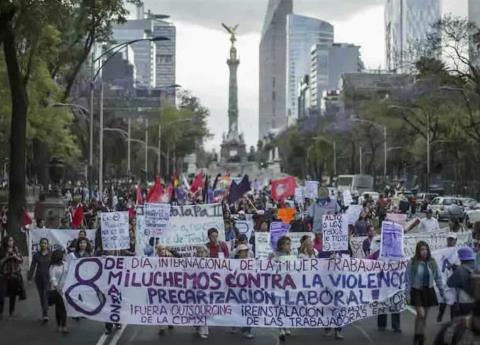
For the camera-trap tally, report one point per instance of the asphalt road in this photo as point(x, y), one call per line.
point(26, 329)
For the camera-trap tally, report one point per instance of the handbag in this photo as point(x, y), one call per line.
point(21, 292)
point(52, 297)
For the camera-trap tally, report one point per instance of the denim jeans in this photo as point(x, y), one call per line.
point(382, 321)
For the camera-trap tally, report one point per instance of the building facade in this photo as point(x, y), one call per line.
point(407, 24)
point(328, 64)
point(302, 33)
point(155, 62)
point(272, 67)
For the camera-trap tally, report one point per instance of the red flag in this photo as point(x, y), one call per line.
point(77, 217)
point(156, 193)
point(26, 219)
point(197, 182)
point(283, 188)
point(139, 198)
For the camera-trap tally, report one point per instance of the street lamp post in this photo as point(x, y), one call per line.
point(160, 142)
point(113, 50)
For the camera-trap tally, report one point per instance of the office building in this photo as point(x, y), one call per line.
point(302, 33)
point(328, 64)
point(407, 25)
point(154, 61)
point(273, 67)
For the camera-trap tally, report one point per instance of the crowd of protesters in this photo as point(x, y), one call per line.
point(48, 268)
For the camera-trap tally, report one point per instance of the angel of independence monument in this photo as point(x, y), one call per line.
point(233, 154)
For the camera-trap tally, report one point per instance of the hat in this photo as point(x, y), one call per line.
point(242, 247)
point(452, 235)
point(466, 254)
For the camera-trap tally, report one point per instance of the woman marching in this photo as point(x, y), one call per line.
point(58, 272)
point(421, 275)
point(39, 268)
point(10, 274)
point(283, 252)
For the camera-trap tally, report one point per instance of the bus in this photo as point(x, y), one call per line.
point(356, 184)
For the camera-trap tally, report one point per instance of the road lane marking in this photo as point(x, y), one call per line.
point(118, 334)
point(364, 332)
point(102, 339)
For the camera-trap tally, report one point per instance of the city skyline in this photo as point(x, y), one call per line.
point(201, 42)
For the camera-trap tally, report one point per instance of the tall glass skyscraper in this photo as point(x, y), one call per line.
point(302, 33)
point(407, 24)
point(273, 67)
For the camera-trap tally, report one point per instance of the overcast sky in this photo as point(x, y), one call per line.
point(203, 47)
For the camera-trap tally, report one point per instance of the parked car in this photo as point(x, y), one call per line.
point(468, 203)
point(446, 207)
point(424, 199)
point(471, 217)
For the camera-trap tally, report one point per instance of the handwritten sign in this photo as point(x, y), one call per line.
point(114, 228)
point(353, 213)
point(156, 218)
point(277, 230)
point(245, 227)
point(335, 232)
point(391, 241)
point(299, 195)
point(262, 245)
point(311, 189)
point(188, 225)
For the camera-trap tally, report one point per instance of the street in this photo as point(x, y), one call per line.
point(27, 329)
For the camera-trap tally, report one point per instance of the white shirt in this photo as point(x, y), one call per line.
point(428, 225)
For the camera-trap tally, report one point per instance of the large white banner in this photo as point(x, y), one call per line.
point(57, 238)
point(435, 239)
point(446, 258)
point(189, 224)
point(309, 293)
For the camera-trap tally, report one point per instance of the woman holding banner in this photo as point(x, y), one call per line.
point(306, 250)
point(39, 268)
point(202, 252)
point(58, 271)
point(283, 252)
point(421, 276)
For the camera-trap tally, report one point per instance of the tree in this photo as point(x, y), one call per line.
point(25, 28)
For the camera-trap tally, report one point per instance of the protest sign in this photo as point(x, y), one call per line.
point(189, 224)
point(347, 198)
point(311, 293)
point(335, 232)
point(435, 239)
point(263, 249)
point(277, 230)
point(145, 244)
point(245, 227)
point(299, 195)
point(353, 213)
point(156, 218)
point(399, 218)
point(445, 258)
point(311, 189)
point(391, 247)
point(57, 238)
point(114, 229)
